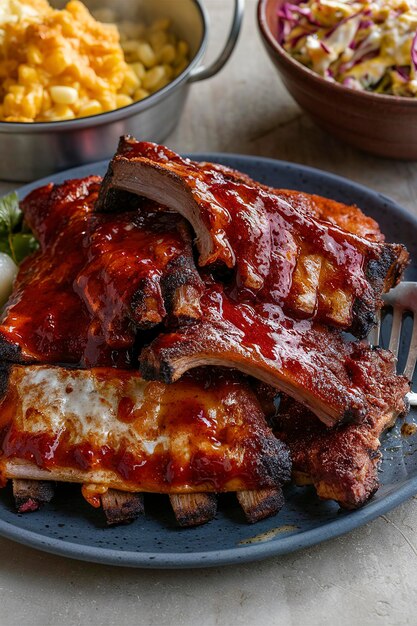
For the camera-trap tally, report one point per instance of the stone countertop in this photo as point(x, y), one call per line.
point(366, 577)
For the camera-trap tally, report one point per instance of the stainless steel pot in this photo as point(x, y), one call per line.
point(31, 151)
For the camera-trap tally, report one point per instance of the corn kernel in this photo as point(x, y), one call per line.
point(167, 54)
point(169, 71)
point(46, 101)
point(17, 90)
point(34, 55)
point(146, 55)
point(107, 101)
point(30, 106)
point(61, 112)
point(140, 94)
point(157, 39)
point(9, 105)
point(56, 62)
point(139, 70)
point(61, 94)
point(182, 48)
point(18, 118)
point(91, 108)
point(153, 77)
point(181, 67)
point(123, 100)
point(27, 75)
point(111, 63)
point(130, 83)
point(130, 30)
point(161, 24)
point(131, 51)
point(9, 82)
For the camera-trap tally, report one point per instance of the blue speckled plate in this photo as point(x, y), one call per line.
point(70, 527)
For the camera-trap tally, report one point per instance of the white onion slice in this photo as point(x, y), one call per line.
point(8, 273)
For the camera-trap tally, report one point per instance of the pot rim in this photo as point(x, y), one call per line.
point(117, 114)
point(307, 74)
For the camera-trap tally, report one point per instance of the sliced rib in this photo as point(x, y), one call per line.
point(338, 380)
point(281, 254)
point(96, 280)
point(111, 429)
point(347, 217)
point(342, 463)
point(139, 268)
point(45, 320)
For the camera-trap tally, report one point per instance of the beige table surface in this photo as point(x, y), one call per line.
point(366, 577)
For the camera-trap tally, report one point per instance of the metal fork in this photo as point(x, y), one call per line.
point(402, 299)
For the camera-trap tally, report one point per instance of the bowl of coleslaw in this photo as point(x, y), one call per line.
point(351, 65)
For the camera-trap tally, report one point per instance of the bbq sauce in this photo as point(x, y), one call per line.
point(97, 278)
point(281, 255)
point(205, 431)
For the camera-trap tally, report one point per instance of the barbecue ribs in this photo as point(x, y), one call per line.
point(340, 462)
point(338, 380)
point(109, 429)
point(348, 217)
point(285, 272)
point(281, 253)
point(96, 279)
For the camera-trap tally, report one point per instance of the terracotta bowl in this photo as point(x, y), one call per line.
point(382, 125)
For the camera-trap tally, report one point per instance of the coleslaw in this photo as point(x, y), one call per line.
point(368, 46)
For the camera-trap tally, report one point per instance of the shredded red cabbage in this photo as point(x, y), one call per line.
point(414, 52)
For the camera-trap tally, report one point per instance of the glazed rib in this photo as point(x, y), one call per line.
point(342, 463)
point(96, 280)
point(281, 254)
point(109, 429)
point(140, 268)
point(338, 380)
point(45, 320)
point(347, 217)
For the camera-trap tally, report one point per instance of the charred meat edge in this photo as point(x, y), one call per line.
point(150, 179)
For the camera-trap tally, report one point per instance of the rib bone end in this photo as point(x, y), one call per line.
point(121, 507)
point(29, 495)
point(261, 503)
point(193, 509)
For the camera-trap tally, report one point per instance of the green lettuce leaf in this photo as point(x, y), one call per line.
point(15, 238)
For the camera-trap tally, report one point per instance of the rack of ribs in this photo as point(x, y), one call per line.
point(347, 217)
point(279, 252)
point(338, 380)
point(120, 437)
point(342, 462)
point(115, 286)
point(96, 279)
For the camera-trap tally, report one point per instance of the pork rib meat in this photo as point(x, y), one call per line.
point(280, 252)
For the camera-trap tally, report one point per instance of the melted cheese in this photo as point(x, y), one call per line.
point(77, 402)
point(110, 427)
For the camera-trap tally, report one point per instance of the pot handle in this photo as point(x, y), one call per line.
point(201, 73)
